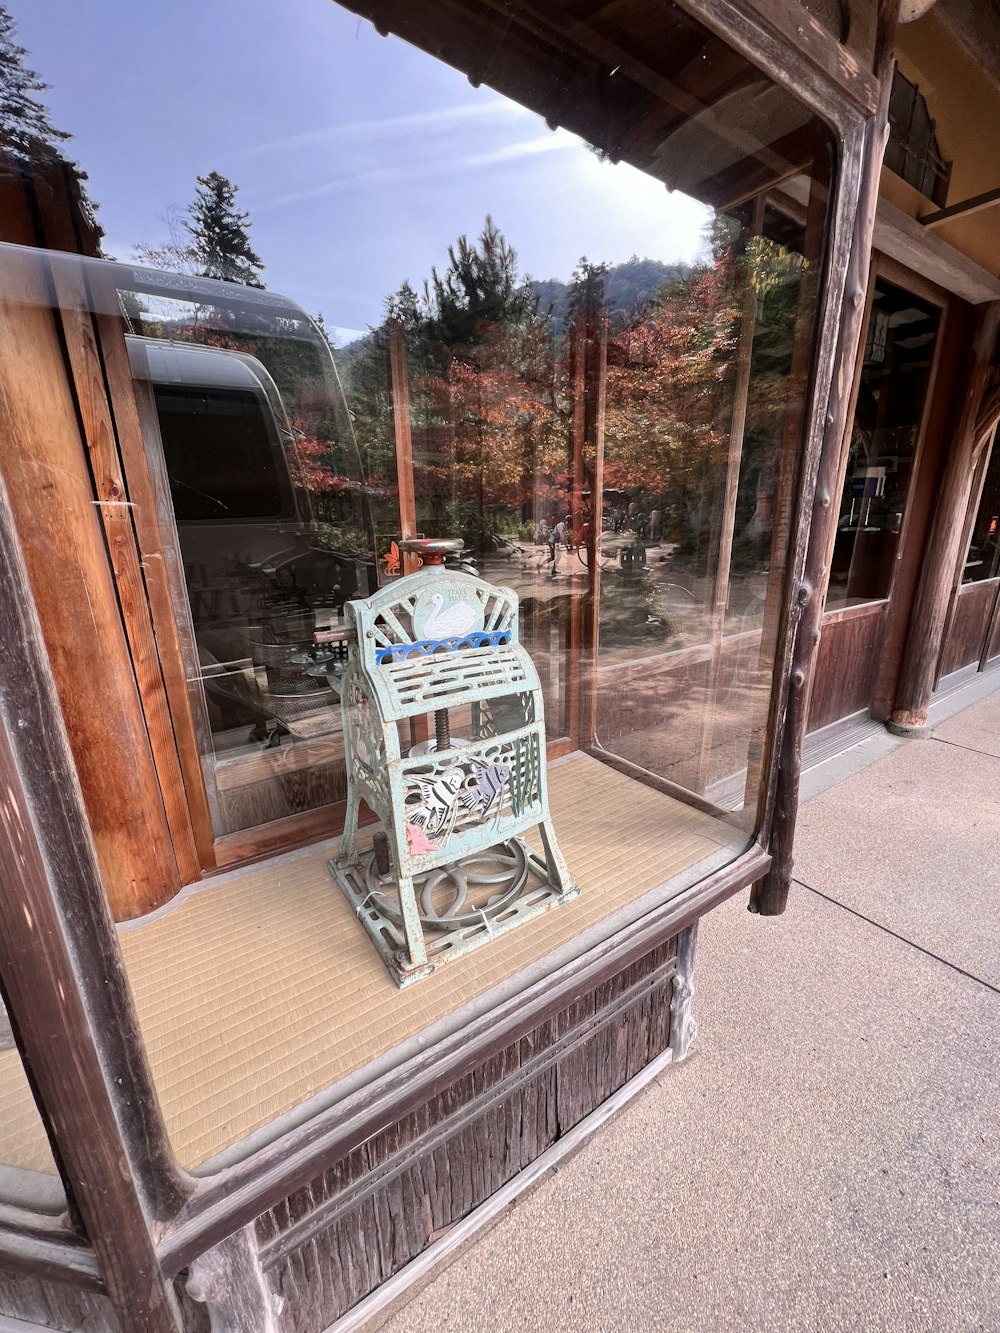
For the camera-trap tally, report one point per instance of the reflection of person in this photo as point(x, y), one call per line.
point(556, 539)
point(655, 524)
point(542, 531)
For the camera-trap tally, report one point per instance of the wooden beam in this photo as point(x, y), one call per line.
point(116, 513)
point(782, 39)
point(64, 981)
point(133, 411)
point(761, 171)
point(964, 209)
point(904, 239)
point(830, 59)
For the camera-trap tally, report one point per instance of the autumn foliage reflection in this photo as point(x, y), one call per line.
point(493, 390)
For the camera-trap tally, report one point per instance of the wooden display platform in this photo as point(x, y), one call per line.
point(259, 990)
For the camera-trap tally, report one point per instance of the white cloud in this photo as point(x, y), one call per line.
point(394, 127)
point(416, 171)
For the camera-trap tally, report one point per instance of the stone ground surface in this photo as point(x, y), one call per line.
point(829, 1155)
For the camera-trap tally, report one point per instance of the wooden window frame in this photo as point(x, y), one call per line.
point(136, 1218)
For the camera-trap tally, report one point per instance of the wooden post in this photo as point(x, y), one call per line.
point(727, 523)
point(597, 525)
point(769, 896)
point(230, 1282)
point(683, 1028)
point(927, 623)
point(399, 386)
point(588, 376)
point(64, 982)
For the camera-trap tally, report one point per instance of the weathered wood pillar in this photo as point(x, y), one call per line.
point(683, 1028)
point(230, 1282)
point(918, 674)
point(64, 983)
point(769, 896)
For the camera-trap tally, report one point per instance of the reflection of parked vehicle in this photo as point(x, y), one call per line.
point(222, 454)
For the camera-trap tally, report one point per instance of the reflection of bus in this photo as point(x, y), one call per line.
point(223, 433)
point(228, 463)
point(259, 575)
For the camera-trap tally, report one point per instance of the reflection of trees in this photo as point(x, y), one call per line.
point(25, 128)
point(667, 395)
point(670, 387)
point(31, 151)
point(486, 390)
point(210, 238)
point(491, 379)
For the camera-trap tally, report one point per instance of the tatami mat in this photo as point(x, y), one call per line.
point(258, 992)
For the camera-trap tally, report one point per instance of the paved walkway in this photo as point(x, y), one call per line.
point(829, 1155)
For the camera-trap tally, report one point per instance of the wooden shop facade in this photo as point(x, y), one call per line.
point(742, 491)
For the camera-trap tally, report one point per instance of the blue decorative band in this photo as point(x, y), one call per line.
point(400, 652)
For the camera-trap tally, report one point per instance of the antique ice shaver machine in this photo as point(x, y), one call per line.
point(449, 873)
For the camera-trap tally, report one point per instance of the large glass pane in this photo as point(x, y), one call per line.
point(568, 267)
point(895, 378)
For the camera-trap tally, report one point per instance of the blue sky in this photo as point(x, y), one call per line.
point(358, 157)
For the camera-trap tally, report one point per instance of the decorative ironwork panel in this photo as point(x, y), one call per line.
point(449, 871)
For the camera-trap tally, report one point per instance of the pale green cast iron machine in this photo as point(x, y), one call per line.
point(449, 872)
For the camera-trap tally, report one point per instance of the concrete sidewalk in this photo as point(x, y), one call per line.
point(829, 1155)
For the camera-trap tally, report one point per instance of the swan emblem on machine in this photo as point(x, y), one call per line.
point(450, 622)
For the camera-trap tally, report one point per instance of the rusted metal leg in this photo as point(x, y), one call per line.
point(558, 871)
point(683, 1028)
point(230, 1281)
point(411, 922)
point(348, 855)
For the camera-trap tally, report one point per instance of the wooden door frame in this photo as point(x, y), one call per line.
point(894, 607)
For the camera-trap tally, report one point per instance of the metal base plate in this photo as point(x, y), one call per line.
point(380, 915)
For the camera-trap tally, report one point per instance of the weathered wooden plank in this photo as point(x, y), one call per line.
point(56, 1305)
point(935, 433)
point(902, 238)
point(149, 525)
point(475, 1158)
point(229, 1282)
point(845, 666)
point(45, 466)
point(967, 631)
point(115, 509)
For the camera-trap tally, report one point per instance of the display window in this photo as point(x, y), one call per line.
point(529, 294)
